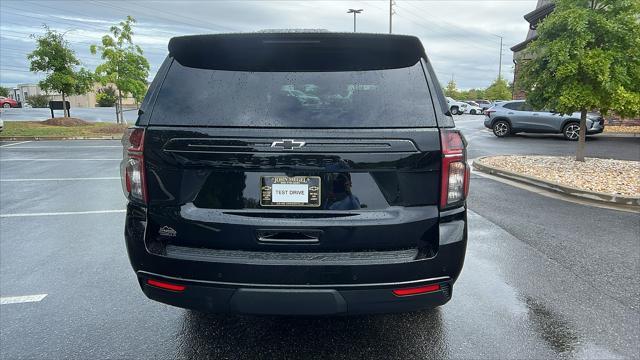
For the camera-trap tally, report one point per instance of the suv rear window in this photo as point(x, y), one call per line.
point(386, 98)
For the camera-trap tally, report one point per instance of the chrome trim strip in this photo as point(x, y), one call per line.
point(330, 286)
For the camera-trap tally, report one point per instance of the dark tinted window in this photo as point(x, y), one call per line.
point(372, 98)
point(513, 106)
point(526, 107)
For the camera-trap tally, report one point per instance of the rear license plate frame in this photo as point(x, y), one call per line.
point(314, 190)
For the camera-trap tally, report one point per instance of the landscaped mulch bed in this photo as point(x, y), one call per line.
point(65, 121)
point(620, 177)
point(61, 127)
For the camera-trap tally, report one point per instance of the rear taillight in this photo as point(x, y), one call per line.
point(489, 112)
point(455, 171)
point(132, 172)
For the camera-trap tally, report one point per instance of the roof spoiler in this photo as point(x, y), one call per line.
point(297, 51)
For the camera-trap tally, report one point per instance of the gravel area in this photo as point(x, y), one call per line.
point(622, 129)
point(620, 177)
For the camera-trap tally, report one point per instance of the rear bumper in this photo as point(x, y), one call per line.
point(256, 299)
point(293, 287)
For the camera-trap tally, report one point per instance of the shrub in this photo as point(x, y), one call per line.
point(38, 101)
point(106, 97)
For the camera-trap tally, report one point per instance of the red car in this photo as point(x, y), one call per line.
point(6, 102)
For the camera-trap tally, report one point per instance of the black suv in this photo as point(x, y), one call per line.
point(298, 174)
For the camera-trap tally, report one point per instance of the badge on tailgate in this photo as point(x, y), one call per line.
point(290, 191)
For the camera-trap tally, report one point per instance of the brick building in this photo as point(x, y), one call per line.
point(520, 54)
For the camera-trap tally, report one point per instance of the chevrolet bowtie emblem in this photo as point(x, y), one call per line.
point(288, 144)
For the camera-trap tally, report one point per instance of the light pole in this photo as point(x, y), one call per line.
point(500, 64)
point(391, 12)
point(355, 12)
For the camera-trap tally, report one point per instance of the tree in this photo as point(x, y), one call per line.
point(38, 101)
point(498, 90)
point(586, 57)
point(471, 94)
point(54, 57)
point(106, 97)
point(124, 63)
point(451, 90)
point(4, 91)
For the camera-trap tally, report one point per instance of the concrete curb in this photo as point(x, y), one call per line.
point(553, 186)
point(618, 135)
point(44, 138)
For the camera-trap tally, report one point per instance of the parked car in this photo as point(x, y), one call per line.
point(473, 108)
point(1, 125)
point(484, 104)
point(248, 198)
point(6, 102)
point(456, 107)
point(511, 117)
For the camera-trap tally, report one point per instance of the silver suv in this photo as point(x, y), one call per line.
point(516, 116)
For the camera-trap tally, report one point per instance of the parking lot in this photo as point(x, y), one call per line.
point(543, 277)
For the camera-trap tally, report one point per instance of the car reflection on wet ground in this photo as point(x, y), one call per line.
point(532, 286)
point(487, 318)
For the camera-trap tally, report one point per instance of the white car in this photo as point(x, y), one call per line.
point(456, 107)
point(1, 125)
point(473, 108)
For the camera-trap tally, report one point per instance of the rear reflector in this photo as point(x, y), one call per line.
point(417, 290)
point(166, 286)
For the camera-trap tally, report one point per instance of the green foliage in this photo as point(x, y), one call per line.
point(54, 57)
point(106, 97)
point(451, 90)
point(38, 101)
point(124, 63)
point(472, 94)
point(498, 90)
point(587, 57)
point(4, 91)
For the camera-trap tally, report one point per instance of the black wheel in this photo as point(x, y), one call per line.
point(472, 112)
point(571, 131)
point(454, 110)
point(6, 105)
point(501, 128)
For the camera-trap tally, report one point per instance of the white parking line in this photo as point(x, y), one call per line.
point(21, 299)
point(62, 179)
point(3, 160)
point(62, 213)
point(18, 143)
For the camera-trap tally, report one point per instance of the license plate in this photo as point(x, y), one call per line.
point(290, 191)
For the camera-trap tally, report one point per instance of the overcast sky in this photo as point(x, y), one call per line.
point(458, 35)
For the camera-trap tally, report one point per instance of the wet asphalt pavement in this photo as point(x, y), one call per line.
point(543, 278)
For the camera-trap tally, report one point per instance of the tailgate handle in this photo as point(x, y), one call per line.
point(289, 236)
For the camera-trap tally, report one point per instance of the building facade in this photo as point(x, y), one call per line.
point(22, 91)
point(520, 54)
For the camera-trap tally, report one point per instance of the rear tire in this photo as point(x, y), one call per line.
point(571, 131)
point(501, 128)
point(6, 105)
point(454, 110)
point(472, 112)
